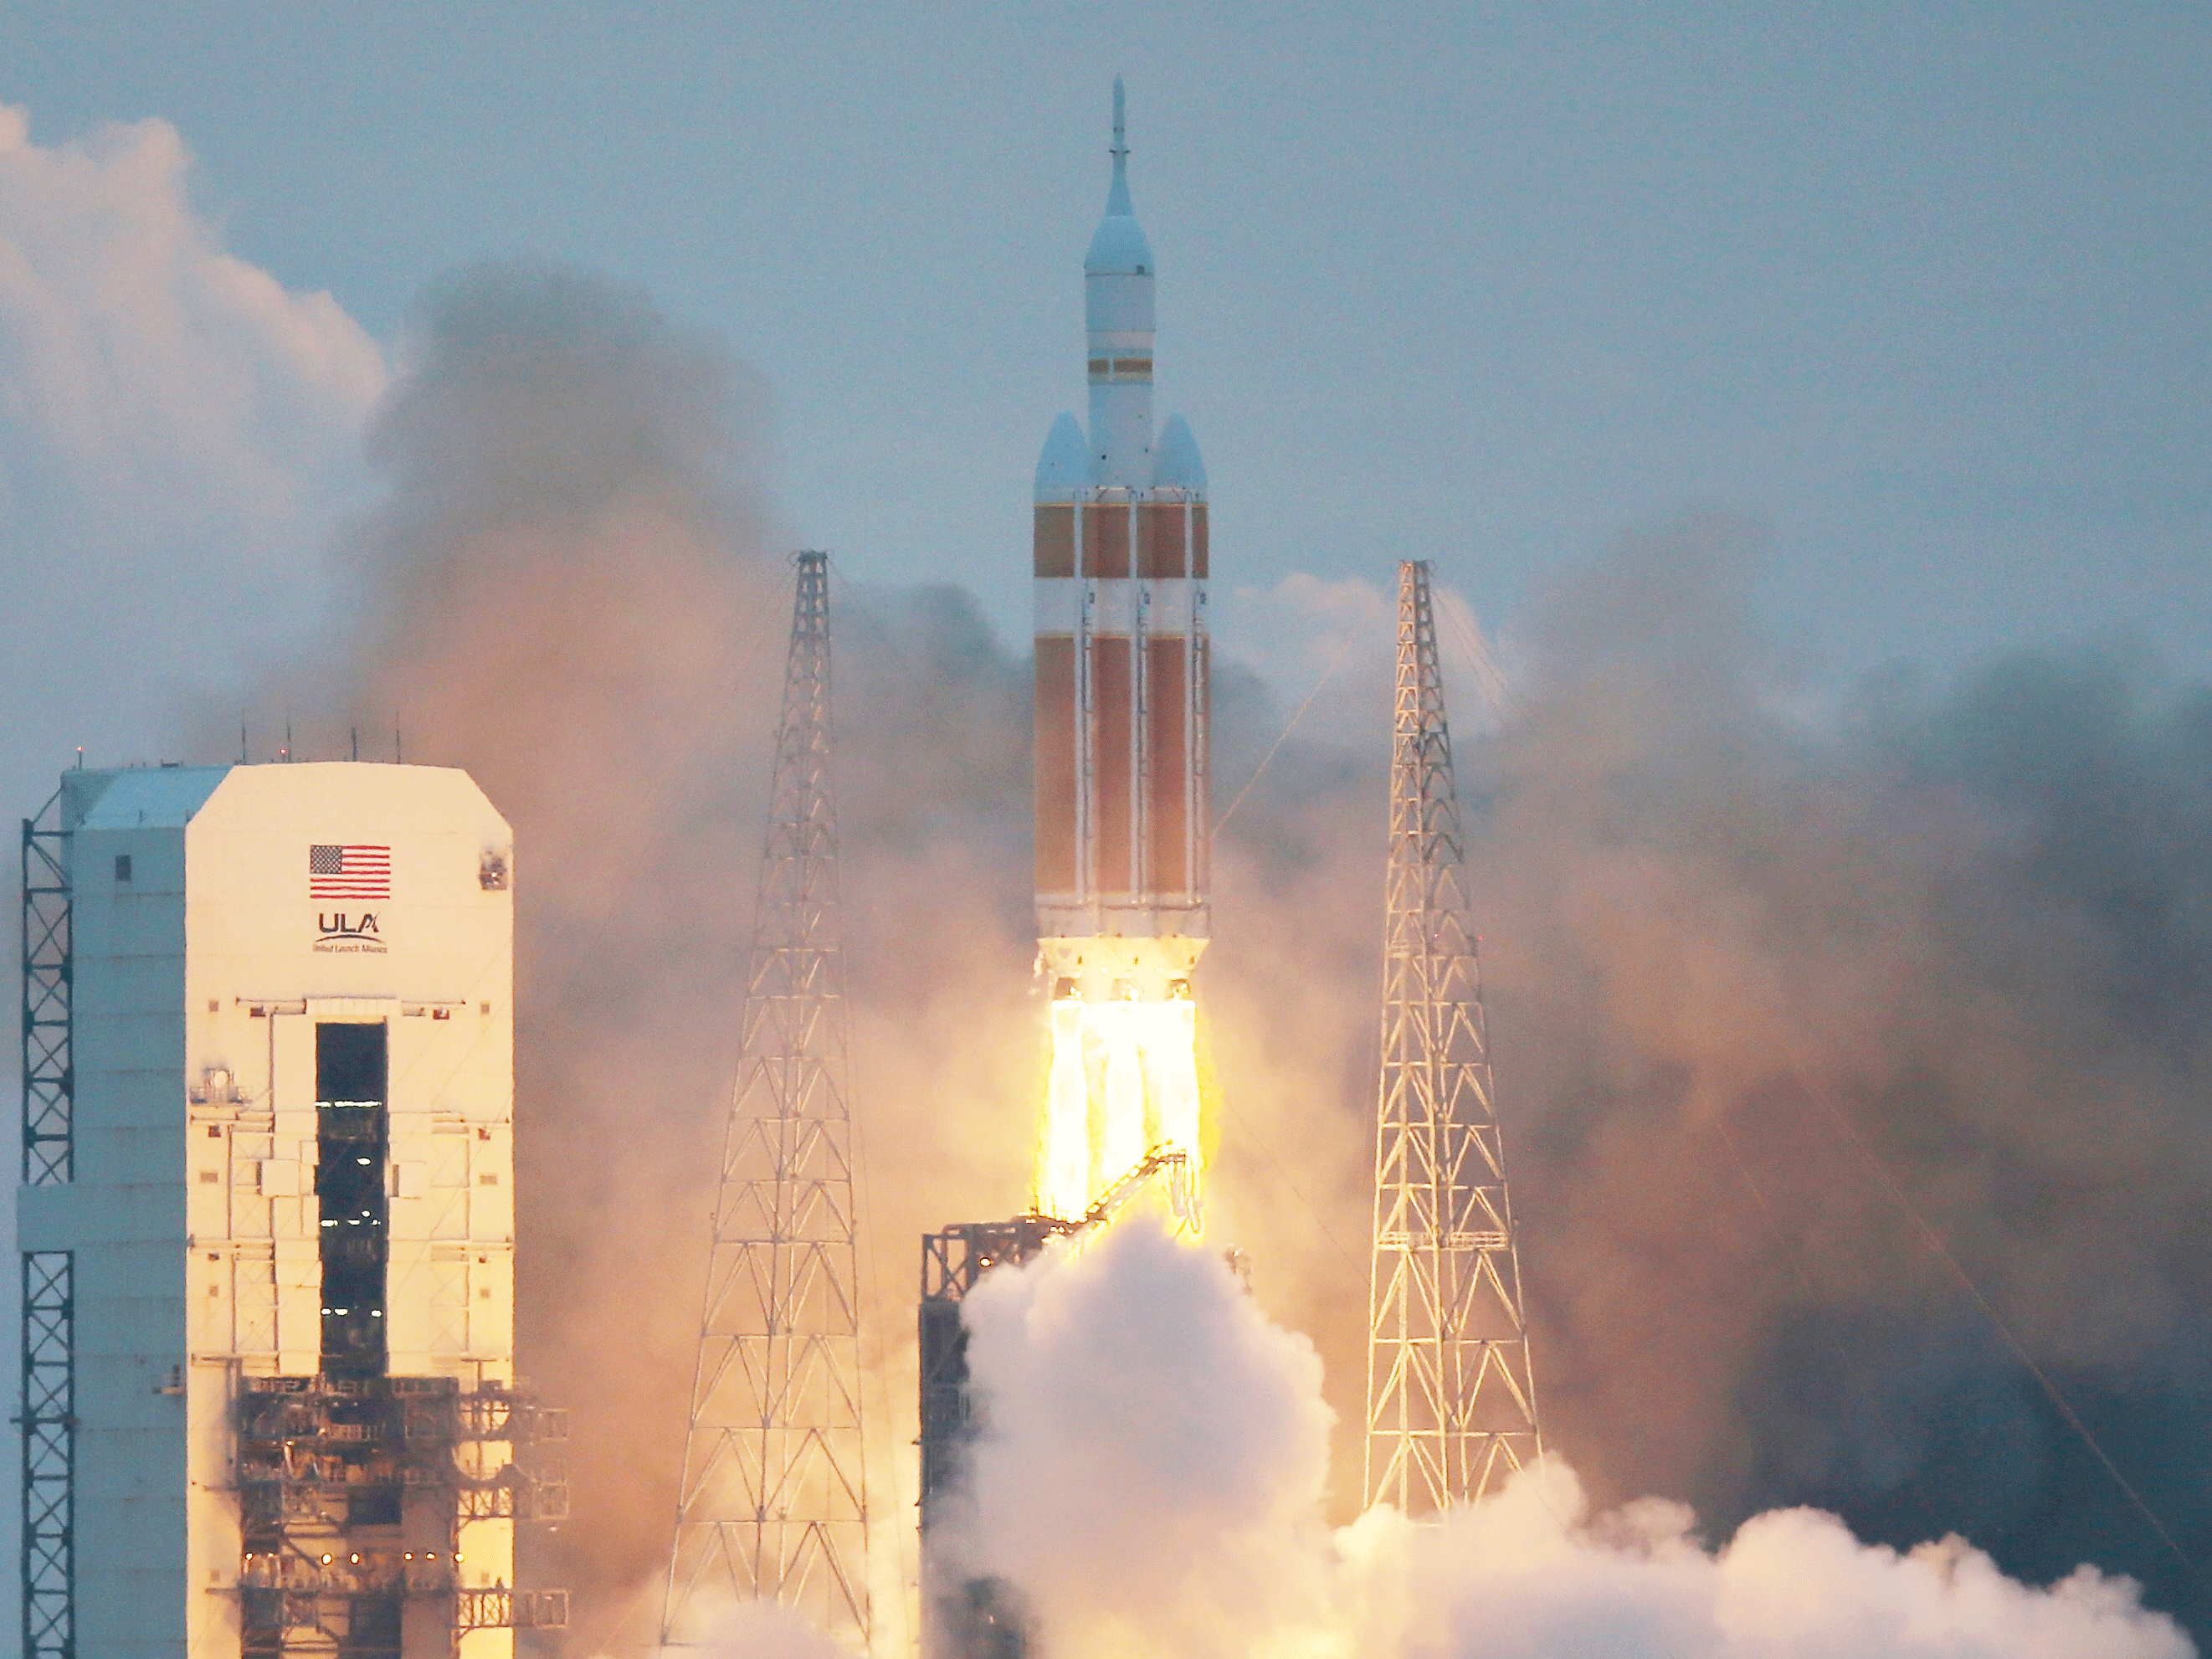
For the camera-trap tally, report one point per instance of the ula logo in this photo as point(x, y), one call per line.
point(339, 932)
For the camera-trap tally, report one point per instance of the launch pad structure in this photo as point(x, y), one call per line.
point(966, 1616)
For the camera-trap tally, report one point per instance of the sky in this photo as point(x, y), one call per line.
point(1916, 293)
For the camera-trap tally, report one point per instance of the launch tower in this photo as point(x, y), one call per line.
point(1122, 814)
point(267, 1220)
point(774, 1500)
point(1452, 1405)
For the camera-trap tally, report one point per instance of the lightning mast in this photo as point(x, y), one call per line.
point(774, 1500)
point(1452, 1405)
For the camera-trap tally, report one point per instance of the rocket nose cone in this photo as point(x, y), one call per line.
point(1176, 463)
point(1064, 465)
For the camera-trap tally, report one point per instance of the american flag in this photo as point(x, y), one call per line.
point(349, 873)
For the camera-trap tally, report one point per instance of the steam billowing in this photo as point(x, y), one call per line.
point(1150, 1482)
point(1731, 936)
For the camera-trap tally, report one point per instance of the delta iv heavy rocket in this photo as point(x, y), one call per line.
point(1122, 814)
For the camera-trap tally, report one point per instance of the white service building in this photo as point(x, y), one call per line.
point(268, 1219)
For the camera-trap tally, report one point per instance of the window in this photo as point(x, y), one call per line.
point(123, 866)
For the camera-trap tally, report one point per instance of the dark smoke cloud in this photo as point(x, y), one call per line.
point(1726, 929)
point(1967, 932)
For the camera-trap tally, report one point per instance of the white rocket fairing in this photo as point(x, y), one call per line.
point(1123, 816)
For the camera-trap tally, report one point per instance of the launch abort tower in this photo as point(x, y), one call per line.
point(267, 1220)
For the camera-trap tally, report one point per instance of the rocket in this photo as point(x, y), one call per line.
point(1122, 815)
point(1122, 818)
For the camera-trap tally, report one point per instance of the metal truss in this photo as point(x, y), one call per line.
point(49, 973)
point(774, 1500)
point(48, 1419)
point(1452, 1404)
point(511, 1609)
point(49, 1473)
point(314, 1453)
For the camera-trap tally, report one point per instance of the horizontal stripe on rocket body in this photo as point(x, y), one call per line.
point(1158, 535)
point(1173, 606)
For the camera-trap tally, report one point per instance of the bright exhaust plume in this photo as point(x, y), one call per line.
point(1123, 1084)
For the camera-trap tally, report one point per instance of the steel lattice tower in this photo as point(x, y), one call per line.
point(774, 1501)
point(1451, 1406)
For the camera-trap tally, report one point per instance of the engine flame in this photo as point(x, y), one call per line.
point(1123, 1084)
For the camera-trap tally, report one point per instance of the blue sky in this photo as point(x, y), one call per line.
point(1921, 291)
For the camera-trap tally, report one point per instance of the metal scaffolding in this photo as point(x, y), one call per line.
point(1452, 1405)
point(325, 1468)
point(49, 1472)
point(48, 967)
point(47, 1414)
point(774, 1500)
point(966, 1616)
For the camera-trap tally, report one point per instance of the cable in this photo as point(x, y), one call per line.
point(1933, 1240)
point(1283, 1175)
point(1801, 1272)
point(1342, 651)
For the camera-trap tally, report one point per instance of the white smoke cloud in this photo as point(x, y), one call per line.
point(1156, 1468)
point(1150, 1483)
point(137, 354)
point(178, 434)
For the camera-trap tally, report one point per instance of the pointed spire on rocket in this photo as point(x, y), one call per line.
point(1176, 463)
point(1119, 248)
point(1117, 194)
